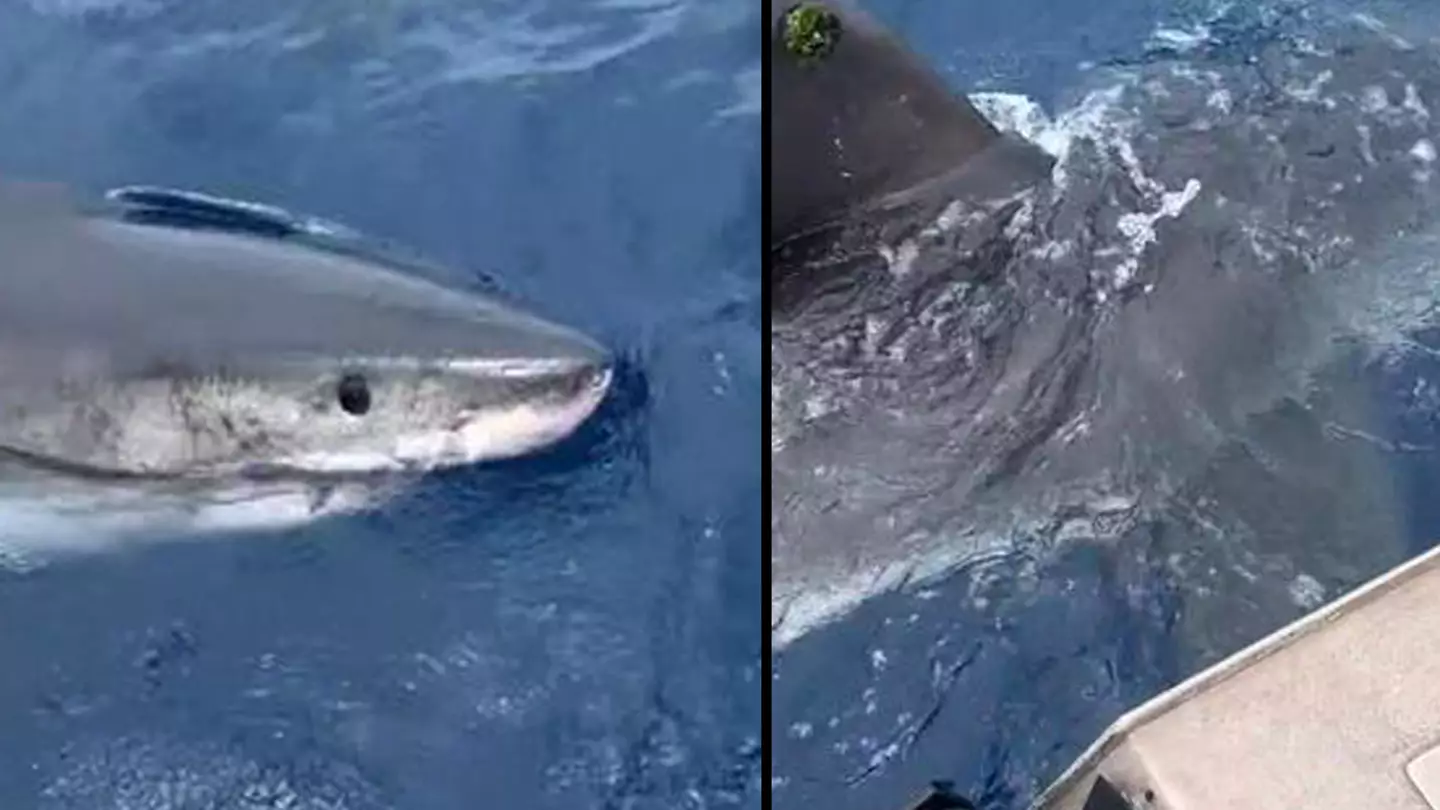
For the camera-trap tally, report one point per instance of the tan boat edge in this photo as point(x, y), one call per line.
point(1340, 709)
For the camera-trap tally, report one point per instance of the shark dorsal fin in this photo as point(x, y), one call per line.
point(157, 205)
point(856, 116)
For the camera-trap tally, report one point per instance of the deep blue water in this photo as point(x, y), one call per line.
point(579, 629)
point(999, 675)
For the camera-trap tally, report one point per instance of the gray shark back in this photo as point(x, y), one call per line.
point(1109, 341)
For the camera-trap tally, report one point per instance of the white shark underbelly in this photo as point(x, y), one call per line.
point(45, 516)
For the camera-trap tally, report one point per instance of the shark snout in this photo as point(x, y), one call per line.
point(531, 399)
point(546, 413)
point(589, 380)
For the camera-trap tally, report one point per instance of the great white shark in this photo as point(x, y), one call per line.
point(172, 362)
point(986, 327)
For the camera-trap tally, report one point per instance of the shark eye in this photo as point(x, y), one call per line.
point(353, 392)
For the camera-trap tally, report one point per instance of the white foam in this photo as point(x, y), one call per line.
point(1374, 99)
point(1139, 227)
point(900, 258)
point(1367, 149)
point(1013, 112)
point(1100, 119)
point(1307, 592)
point(1312, 92)
point(1414, 104)
point(1181, 40)
point(1423, 152)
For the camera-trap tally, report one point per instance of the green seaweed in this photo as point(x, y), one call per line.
point(811, 32)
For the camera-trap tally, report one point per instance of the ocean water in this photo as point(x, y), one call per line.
point(577, 629)
point(1011, 653)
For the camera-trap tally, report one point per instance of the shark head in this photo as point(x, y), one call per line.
point(170, 354)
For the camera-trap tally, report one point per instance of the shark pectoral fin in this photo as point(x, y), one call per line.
point(857, 116)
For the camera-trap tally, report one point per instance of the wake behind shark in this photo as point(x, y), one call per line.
point(1144, 306)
